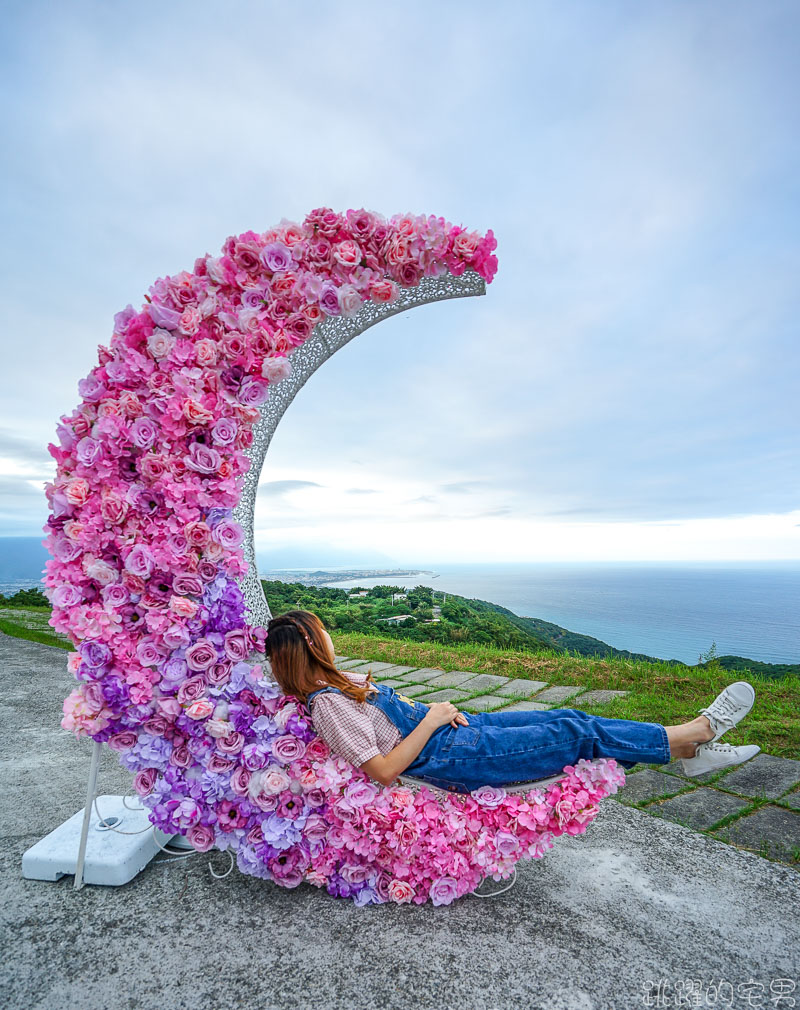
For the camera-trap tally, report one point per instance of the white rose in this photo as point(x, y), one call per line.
point(276, 369)
point(160, 343)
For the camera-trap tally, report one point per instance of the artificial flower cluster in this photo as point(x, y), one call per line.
point(146, 557)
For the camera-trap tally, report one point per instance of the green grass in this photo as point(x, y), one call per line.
point(31, 624)
point(659, 692)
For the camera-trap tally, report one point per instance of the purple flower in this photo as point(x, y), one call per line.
point(368, 896)
point(122, 319)
point(115, 595)
point(201, 655)
point(203, 459)
point(143, 432)
point(148, 653)
point(163, 316)
point(249, 862)
point(444, 890)
point(94, 654)
point(231, 378)
point(329, 300)
point(288, 748)
point(216, 515)
point(91, 388)
point(237, 646)
point(89, 451)
point(66, 596)
point(254, 756)
point(224, 431)
point(276, 256)
point(116, 692)
point(176, 637)
point(140, 561)
point(187, 584)
point(173, 672)
point(253, 392)
point(228, 533)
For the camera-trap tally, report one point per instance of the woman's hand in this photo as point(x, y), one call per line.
point(440, 713)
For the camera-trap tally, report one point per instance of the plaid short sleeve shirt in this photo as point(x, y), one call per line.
point(355, 731)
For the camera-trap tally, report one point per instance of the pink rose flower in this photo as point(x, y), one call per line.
point(122, 741)
point(145, 780)
point(237, 647)
point(200, 709)
point(192, 689)
point(187, 584)
point(231, 744)
point(201, 837)
point(275, 369)
point(183, 607)
point(383, 291)
point(400, 891)
point(288, 748)
point(201, 655)
point(140, 561)
point(77, 491)
point(160, 343)
point(189, 322)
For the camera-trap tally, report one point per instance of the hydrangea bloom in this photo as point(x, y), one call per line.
point(145, 557)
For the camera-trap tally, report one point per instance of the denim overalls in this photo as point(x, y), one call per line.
point(501, 748)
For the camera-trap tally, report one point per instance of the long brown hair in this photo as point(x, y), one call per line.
point(298, 655)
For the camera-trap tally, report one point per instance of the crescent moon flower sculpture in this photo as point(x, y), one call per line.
point(153, 573)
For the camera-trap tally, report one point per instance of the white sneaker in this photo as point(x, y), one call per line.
point(710, 757)
point(729, 708)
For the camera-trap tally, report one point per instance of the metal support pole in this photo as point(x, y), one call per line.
point(87, 813)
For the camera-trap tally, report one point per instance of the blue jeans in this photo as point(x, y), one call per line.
point(500, 748)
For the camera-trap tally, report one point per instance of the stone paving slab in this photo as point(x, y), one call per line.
point(369, 667)
point(455, 678)
point(793, 800)
point(554, 694)
point(599, 697)
point(484, 703)
point(778, 827)
point(763, 776)
point(527, 706)
point(521, 688)
point(338, 660)
point(397, 671)
point(700, 809)
point(648, 784)
point(412, 690)
point(485, 682)
point(422, 676)
point(446, 694)
point(395, 684)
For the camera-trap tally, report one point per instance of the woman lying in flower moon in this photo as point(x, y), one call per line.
point(386, 733)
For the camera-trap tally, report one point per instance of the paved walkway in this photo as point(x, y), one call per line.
point(755, 806)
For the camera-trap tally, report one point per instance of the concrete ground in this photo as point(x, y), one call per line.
point(617, 918)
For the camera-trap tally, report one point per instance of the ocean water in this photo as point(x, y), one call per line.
point(670, 610)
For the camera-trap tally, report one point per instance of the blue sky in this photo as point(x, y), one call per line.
point(627, 388)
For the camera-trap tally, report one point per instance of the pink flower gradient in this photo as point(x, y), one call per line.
point(145, 555)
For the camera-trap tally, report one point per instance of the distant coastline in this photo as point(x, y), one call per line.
point(22, 564)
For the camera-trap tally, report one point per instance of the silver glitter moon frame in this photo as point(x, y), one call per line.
point(325, 340)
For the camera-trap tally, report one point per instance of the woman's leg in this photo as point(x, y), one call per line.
point(683, 738)
point(494, 750)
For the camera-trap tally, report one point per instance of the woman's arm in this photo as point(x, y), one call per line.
point(385, 768)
